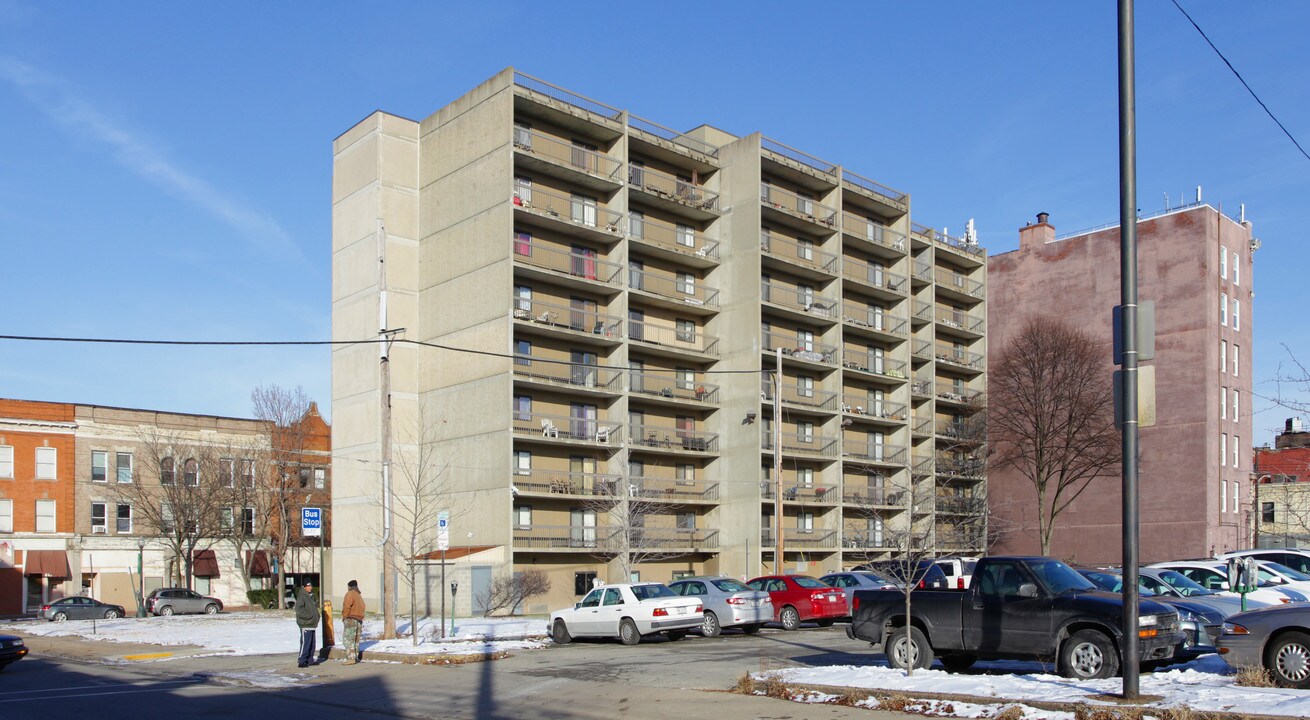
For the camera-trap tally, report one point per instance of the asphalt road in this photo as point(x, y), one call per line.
point(588, 679)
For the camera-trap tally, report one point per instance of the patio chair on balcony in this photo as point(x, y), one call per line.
point(603, 435)
point(548, 429)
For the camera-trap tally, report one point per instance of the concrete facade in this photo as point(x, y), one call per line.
point(598, 295)
point(1195, 488)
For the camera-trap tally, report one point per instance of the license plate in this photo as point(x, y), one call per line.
point(682, 611)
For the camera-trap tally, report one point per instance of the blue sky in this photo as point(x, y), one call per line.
point(166, 169)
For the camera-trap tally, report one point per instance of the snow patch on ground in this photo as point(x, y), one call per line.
point(267, 679)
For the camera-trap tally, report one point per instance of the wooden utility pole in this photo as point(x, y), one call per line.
point(384, 362)
point(778, 544)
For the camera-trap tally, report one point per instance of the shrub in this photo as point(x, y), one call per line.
point(262, 598)
point(1254, 676)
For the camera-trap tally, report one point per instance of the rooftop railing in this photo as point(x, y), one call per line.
point(575, 210)
point(876, 188)
point(798, 205)
point(566, 96)
point(595, 163)
point(873, 407)
point(810, 397)
point(873, 363)
point(562, 372)
point(872, 231)
point(565, 483)
point(801, 253)
point(673, 136)
point(803, 443)
point(802, 299)
point(562, 317)
point(873, 275)
point(795, 155)
point(671, 187)
point(691, 340)
point(529, 251)
point(673, 386)
point(795, 347)
point(682, 239)
point(672, 438)
point(681, 289)
point(957, 243)
point(864, 316)
point(561, 427)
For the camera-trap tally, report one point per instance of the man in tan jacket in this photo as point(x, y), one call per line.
point(352, 616)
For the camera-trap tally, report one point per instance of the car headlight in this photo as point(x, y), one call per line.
point(1147, 621)
point(1235, 629)
point(1189, 616)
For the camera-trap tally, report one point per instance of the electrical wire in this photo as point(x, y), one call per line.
point(1243, 80)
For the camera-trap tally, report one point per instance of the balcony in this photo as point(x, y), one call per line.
point(805, 398)
point(678, 293)
point(796, 211)
point(673, 389)
point(921, 350)
point(875, 322)
point(680, 243)
point(660, 138)
point(569, 267)
point(567, 430)
point(800, 300)
point(796, 539)
point(875, 496)
point(673, 538)
point(864, 540)
point(965, 432)
point(872, 236)
point(579, 165)
point(921, 465)
point(922, 387)
point(923, 427)
point(960, 323)
point(960, 467)
point(879, 365)
point(954, 284)
point(802, 258)
point(878, 453)
point(960, 505)
point(579, 538)
point(920, 312)
point(920, 273)
point(958, 394)
point(561, 373)
point(959, 358)
point(676, 195)
point(558, 98)
point(890, 200)
point(793, 159)
point(806, 351)
point(875, 278)
point(546, 482)
point(578, 324)
point(570, 214)
point(672, 439)
point(970, 252)
point(672, 341)
point(864, 407)
point(662, 489)
point(801, 493)
point(802, 444)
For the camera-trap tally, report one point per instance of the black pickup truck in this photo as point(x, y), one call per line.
point(1021, 608)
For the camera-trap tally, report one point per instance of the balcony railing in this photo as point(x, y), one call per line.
point(870, 363)
point(691, 340)
point(794, 347)
point(864, 495)
point(566, 96)
point(921, 271)
point(922, 349)
point(563, 372)
point(681, 289)
point(799, 253)
point(795, 155)
point(682, 239)
point(922, 427)
point(950, 317)
point(959, 537)
point(804, 300)
point(672, 386)
point(568, 154)
point(575, 210)
point(957, 430)
point(568, 537)
point(957, 243)
point(966, 467)
point(803, 444)
point(922, 310)
point(672, 489)
point(560, 427)
point(673, 136)
point(873, 452)
point(670, 187)
point(566, 262)
point(801, 492)
point(566, 483)
point(793, 538)
point(873, 275)
point(961, 505)
point(922, 385)
point(864, 539)
point(860, 181)
point(796, 395)
point(872, 407)
point(956, 393)
point(566, 318)
point(958, 356)
point(867, 317)
point(798, 205)
point(921, 464)
point(956, 281)
point(672, 438)
point(863, 228)
point(654, 538)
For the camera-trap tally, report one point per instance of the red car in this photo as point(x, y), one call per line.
point(800, 598)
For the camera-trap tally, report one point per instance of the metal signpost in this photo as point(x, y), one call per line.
point(311, 525)
point(443, 544)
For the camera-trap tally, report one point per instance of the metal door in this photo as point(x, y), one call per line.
point(481, 580)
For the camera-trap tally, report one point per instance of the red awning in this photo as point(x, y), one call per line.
point(258, 563)
point(204, 564)
point(50, 563)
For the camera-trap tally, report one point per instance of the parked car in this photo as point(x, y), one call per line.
point(854, 580)
point(12, 649)
point(1170, 583)
point(1200, 624)
point(925, 573)
point(958, 570)
point(1282, 576)
point(1213, 575)
point(628, 611)
point(78, 607)
point(1298, 560)
point(288, 600)
point(169, 601)
point(726, 603)
point(801, 598)
point(1017, 608)
point(1274, 637)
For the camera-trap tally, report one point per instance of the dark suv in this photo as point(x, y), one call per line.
point(168, 601)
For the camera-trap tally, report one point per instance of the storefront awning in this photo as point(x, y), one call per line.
point(49, 563)
point(258, 563)
point(204, 564)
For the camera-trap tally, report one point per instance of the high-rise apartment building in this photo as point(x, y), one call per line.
point(1195, 263)
point(604, 302)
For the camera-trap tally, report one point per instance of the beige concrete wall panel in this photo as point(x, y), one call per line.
point(355, 168)
point(482, 296)
point(355, 269)
point(465, 192)
point(357, 132)
point(355, 217)
point(479, 245)
point(354, 370)
point(398, 161)
point(399, 206)
point(467, 138)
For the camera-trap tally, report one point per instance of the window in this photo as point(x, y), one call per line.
point(45, 516)
point(523, 135)
point(522, 517)
point(1237, 490)
point(523, 349)
point(1237, 314)
point(1223, 309)
point(805, 386)
point(805, 249)
point(1223, 262)
point(523, 244)
point(124, 517)
point(804, 295)
point(1237, 399)
point(1237, 271)
point(99, 522)
point(226, 519)
point(686, 283)
point(1223, 356)
point(1223, 496)
point(522, 462)
point(248, 521)
point(685, 235)
point(1223, 403)
point(1237, 352)
point(1237, 454)
point(203, 585)
point(320, 478)
point(685, 473)
point(637, 224)
point(805, 522)
point(686, 330)
point(166, 471)
point(582, 582)
point(248, 473)
point(123, 467)
point(169, 525)
point(805, 431)
point(1223, 449)
point(805, 477)
point(227, 471)
point(99, 466)
point(46, 458)
point(686, 521)
point(805, 340)
point(523, 191)
point(6, 461)
point(191, 473)
point(522, 299)
point(1266, 512)
point(522, 408)
point(683, 574)
point(685, 378)
point(582, 210)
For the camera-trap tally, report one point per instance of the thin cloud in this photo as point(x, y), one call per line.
point(59, 103)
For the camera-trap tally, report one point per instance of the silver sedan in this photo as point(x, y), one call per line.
point(728, 603)
point(1273, 637)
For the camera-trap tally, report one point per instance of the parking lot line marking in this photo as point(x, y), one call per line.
point(148, 656)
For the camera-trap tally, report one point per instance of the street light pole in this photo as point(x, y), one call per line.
point(141, 580)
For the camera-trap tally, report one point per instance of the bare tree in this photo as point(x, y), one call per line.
point(642, 525)
point(279, 477)
point(1292, 384)
point(508, 592)
point(913, 557)
point(1052, 415)
point(250, 514)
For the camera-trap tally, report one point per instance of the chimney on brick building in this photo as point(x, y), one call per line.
point(1039, 234)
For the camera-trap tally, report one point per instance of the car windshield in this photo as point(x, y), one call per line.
point(1060, 578)
point(646, 592)
point(809, 582)
point(873, 576)
point(969, 565)
point(1185, 586)
point(730, 585)
point(1291, 574)
point(1104, 580)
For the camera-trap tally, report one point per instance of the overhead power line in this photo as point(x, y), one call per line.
point(1243, 80)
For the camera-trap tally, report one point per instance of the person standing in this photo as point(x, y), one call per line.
point(352, 617)
point(307, 619)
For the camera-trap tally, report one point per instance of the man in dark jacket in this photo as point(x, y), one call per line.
point(307, 618)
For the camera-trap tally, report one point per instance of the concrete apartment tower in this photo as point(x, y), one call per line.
point(1195, 263)
point(605, 301)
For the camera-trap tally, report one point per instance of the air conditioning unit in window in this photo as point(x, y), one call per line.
point(99, 529)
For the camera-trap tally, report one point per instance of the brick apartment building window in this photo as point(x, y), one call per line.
point(1223, 356)
point(1237, 491)
point(1237, 451)
point(320, 478)
point(1223, 309)
point(522, 517)
point(1223, 262)
point(99, 518)
point(1237, 416)
point(1266, 512)
point(522, 462)
point(6, 461)
point(1237, 271)
point(99, 466)
point(304, 474)
point(226, 517)
point(45, 516)
point(248, 521)
point(248, 473)
point(686, 520)
point(1237, 314)
point(166, 474)
point(191, 473)
point(1223, 449)
point(1237, 352)
point(1223, 496)
point(46, 462)
point(6, 516)
point(1223, 403)
point(123, 467)
point(227, 470)
point(166, 519)
point(124, 519)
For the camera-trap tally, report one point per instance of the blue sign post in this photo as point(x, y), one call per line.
point(311, 522)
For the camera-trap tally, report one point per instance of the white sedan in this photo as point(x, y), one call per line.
point(627, 611)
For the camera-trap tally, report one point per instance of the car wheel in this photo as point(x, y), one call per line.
point(211, 609)
point(677, 634)
point(59, 617)
point(709, 625)
point(958, 662)
point(166, 610)
point(560, 633)
point(825, 623)
point(751, 629)
point(914, 652)
point(111, 614)
point(1288, 658)
point(628, 632)
point(790, 619)
point(1088, 655)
